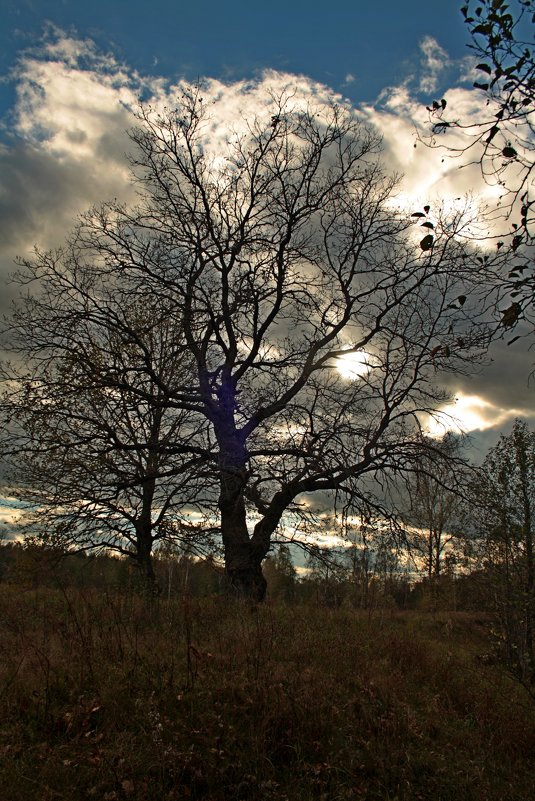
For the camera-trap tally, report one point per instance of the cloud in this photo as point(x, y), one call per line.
point(64, 143)
point(434, 61)
point(64, 148)
point(470, 413)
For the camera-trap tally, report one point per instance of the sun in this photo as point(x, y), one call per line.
point(354, 365)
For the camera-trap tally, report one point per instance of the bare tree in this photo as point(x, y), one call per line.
point(285, 256)
point(436, 491)
point(284, 262)
point(92, 440)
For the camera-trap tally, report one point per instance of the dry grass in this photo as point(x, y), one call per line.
point(109, 696)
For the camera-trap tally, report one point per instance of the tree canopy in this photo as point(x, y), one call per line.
point(257, 270)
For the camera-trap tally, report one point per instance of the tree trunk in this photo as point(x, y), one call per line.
point(144, 557)
point(144, 539)
point(243, 558)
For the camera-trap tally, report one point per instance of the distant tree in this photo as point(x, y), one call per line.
point(436, 492)
point(371, 561)
point(281, 574)
point(326, 575)
point(505, 497)
point(282, 258)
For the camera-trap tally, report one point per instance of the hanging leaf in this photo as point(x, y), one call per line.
point(483, 86)
point(484, 68)
point(513, 340)
point(517, 241)
point(461, 300)
point(485, 29)
point(427, 225)
point(427, 242)
point(511, 315)
point(418, 214)
point(426, 209)
point(509, 152)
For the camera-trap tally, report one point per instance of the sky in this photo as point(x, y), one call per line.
point(71, 73)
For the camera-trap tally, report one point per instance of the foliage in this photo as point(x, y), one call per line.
point(501, 42)
point(501, 140)
point(505, 497)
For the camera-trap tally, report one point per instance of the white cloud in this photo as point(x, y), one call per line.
point(434, 61)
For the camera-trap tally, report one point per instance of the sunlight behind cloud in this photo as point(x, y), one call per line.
point(468, 413)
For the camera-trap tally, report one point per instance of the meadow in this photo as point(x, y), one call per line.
point(110, 695)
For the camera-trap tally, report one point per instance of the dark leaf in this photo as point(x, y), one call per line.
point(517, 241)
point(492, 133)
point(483, 86)
point(443, 103)
point(462, 300)
point(427, 242)
point(418, 214)
point(513, 340)
point(427, 225)
point(484, 68)
point(511, 315)
point(426, 209)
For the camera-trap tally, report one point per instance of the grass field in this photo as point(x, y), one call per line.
point(110, 696)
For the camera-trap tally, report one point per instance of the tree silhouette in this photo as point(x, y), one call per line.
point(281, 257)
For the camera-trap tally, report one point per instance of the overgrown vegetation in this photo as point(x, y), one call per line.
point(107, 696)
